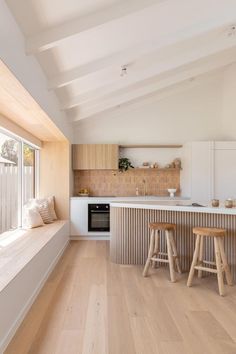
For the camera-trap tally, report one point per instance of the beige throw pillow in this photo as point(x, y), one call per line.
point(49, 201)
point(44, 211)
point(51, 204)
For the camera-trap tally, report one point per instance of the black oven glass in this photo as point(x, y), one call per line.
point(98, 217)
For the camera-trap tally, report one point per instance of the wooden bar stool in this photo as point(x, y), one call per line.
point(154, 251)
point(220, 257)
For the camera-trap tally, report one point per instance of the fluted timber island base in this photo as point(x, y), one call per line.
point(130, 234)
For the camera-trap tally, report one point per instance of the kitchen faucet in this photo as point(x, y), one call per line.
point(144, 188)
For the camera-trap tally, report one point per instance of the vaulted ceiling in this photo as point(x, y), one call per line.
point(82, 46)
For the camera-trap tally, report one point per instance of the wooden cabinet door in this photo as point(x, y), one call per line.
point(82, 156)
point(107, 156)
point(95, 156)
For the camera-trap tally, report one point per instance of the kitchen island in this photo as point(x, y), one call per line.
point(130, 234)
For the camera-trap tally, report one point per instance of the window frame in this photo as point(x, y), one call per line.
point(21, 141)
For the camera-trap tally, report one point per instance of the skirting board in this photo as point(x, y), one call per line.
point(6, 340)
point(90, 238)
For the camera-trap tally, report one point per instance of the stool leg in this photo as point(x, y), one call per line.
point(173, 244)
point(219, 266)
point(200, 258)
point(225, 263)
point(170, 256)
point(156, 248)
point(150, 253)
point(194, 262)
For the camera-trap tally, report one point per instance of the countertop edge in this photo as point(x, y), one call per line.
point(190, 209)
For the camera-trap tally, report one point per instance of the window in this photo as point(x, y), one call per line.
point(18, 179)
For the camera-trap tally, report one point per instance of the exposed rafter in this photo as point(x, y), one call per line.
point(54, 36)
point(213, 54)
point(111, 101)
point(146, 48)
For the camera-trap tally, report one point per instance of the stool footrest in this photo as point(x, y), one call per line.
point(160, 260)
point(206, 269)
point(209, 262)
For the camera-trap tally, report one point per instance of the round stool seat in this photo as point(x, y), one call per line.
point(209, 231)
point(162, 226)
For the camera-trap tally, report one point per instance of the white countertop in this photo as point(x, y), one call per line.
point(132, 198)
point(174, 205)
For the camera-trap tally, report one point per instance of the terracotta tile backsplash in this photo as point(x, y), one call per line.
point(110, 183)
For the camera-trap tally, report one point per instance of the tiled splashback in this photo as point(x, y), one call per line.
point(110, 183)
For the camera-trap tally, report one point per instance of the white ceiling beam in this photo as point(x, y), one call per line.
point(124, 57)
point(147, 48)
point(224, 50)
point(52, 37)
point(88, 110)
point(117, 59)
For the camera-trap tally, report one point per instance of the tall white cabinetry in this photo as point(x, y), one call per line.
point(213, 170)
point(225, 170)
point(202, 171)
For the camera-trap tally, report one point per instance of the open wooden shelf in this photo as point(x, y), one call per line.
point(155, 169)
point(152, 146)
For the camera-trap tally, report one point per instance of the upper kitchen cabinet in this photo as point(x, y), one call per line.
point(95, 156)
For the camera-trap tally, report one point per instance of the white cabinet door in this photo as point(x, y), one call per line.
point(202, 171)
point(225, 170)
point(79, 217)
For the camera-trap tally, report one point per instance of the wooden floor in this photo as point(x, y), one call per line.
point(90, 305)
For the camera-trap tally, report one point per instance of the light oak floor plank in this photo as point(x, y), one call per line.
point(90, 305)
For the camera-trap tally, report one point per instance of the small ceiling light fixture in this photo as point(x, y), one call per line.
point(123, 70)
point(231, 31)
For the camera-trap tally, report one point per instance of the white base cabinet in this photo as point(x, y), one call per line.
point(79, 218)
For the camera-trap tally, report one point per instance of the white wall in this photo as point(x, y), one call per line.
point(193, 113)
point(27, 70)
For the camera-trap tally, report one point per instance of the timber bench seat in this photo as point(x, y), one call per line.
point(19, 247)
point(27, 257)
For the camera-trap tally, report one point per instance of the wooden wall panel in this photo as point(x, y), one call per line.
point(55, 175)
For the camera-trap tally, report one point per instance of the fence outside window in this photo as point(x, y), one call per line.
point(18, 172)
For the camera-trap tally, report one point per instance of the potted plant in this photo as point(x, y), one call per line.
point(124, 164)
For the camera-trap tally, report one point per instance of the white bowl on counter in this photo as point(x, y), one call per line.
point(172, 192)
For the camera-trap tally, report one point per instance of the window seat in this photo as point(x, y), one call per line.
point(19, 247)
point(27, 258)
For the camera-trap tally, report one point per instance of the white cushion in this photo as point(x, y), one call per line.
point(32, 218)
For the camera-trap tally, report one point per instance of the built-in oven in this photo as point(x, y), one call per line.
point(99, 217)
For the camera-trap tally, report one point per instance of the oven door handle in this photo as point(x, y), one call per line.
point(99, 211)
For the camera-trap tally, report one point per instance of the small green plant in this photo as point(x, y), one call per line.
point(124, 164)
